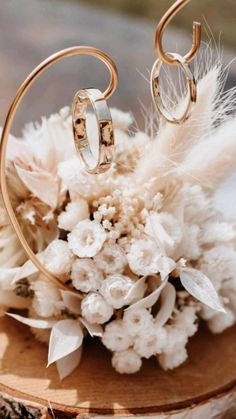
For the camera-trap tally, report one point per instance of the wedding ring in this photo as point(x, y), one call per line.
point(95, 98)
point(156, 91)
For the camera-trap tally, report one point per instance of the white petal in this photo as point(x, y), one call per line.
point(155, 229)
point(166, 266)
point(150, 300)
point(66, 337)
point(38, 323)
point(41, 184)
point(9, 276)
point(198, 285)
point(93, 329)
point(66, 365)
point(71, 301)
point(167, 299)
point(136, 291)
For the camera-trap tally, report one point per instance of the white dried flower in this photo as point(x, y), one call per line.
point(115, 289)
point(115, 336)
point(46, 297)
point(87, 238)
point(219, 264)
point(216, 231)
point(137, 321)
point(126, 362)
point(221, 321)
point(187, 320)
point(144, 257)
point(176, 339)
point(189, 248)
point(85, 275)
point(165, 228)
point(75, 212)
point(196, 204)
point(150, 342)
point(95, 309)
point(111, 259)
point(58, 258)
point(171, 360)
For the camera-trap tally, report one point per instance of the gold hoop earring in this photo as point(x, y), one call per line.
point(55, 58)
point(174, 59)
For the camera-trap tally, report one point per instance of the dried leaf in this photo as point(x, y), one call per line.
point(9, 276)
point(66, 365)
point(155, 230)
point(167, 299)
point(71, 301)
point(166, 266)
point(198, 285)
point(150, 300)
point(93, 329)
point(66, 336)
point(10, 299)
point(38, 323)
point(42, 184)
point(136, 291)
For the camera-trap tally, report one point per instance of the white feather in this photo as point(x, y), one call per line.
point(211, 161)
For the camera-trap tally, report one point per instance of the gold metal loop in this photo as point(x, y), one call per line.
point(102, 161)
point(156, 94)
point(58, 56)
point(166, 19)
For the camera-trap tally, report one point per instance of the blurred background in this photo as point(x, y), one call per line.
point(30, 30)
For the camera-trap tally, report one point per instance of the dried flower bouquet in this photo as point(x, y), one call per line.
point(142, 244)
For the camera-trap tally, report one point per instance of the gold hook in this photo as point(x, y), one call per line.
point(166, 19)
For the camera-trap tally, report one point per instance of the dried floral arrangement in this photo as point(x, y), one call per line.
point(142, 244)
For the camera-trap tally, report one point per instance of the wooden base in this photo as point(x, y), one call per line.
point(95, 388)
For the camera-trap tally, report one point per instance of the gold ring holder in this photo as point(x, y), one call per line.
point(105, 130)
point(174, 59)
point(55, 58)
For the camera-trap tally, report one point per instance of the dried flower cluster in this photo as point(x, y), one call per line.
point(143, 250)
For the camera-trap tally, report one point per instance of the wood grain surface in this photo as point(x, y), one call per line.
point(96, 388)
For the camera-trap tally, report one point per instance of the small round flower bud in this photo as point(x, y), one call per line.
point(137, 321)
point(46, 297)
point(75, 212)
point(126, 362)
point(87, 238)
point(116, 337)
point(144, 257)
point(95, 309)
point(176, 339)
point(172, 359)
point(111, 259)
point(150, 342)
point(85, 275)
point(58, 257)
point(221, 321)
point(115, 288)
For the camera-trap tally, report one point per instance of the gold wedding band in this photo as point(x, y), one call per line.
point(156, 92)
point(102, 161)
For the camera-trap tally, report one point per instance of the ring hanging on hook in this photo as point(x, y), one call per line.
point(156, 94)
point(82, 99)
point(166, 19)
point(59, 56)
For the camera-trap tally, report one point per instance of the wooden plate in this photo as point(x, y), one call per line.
point(95, 388)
